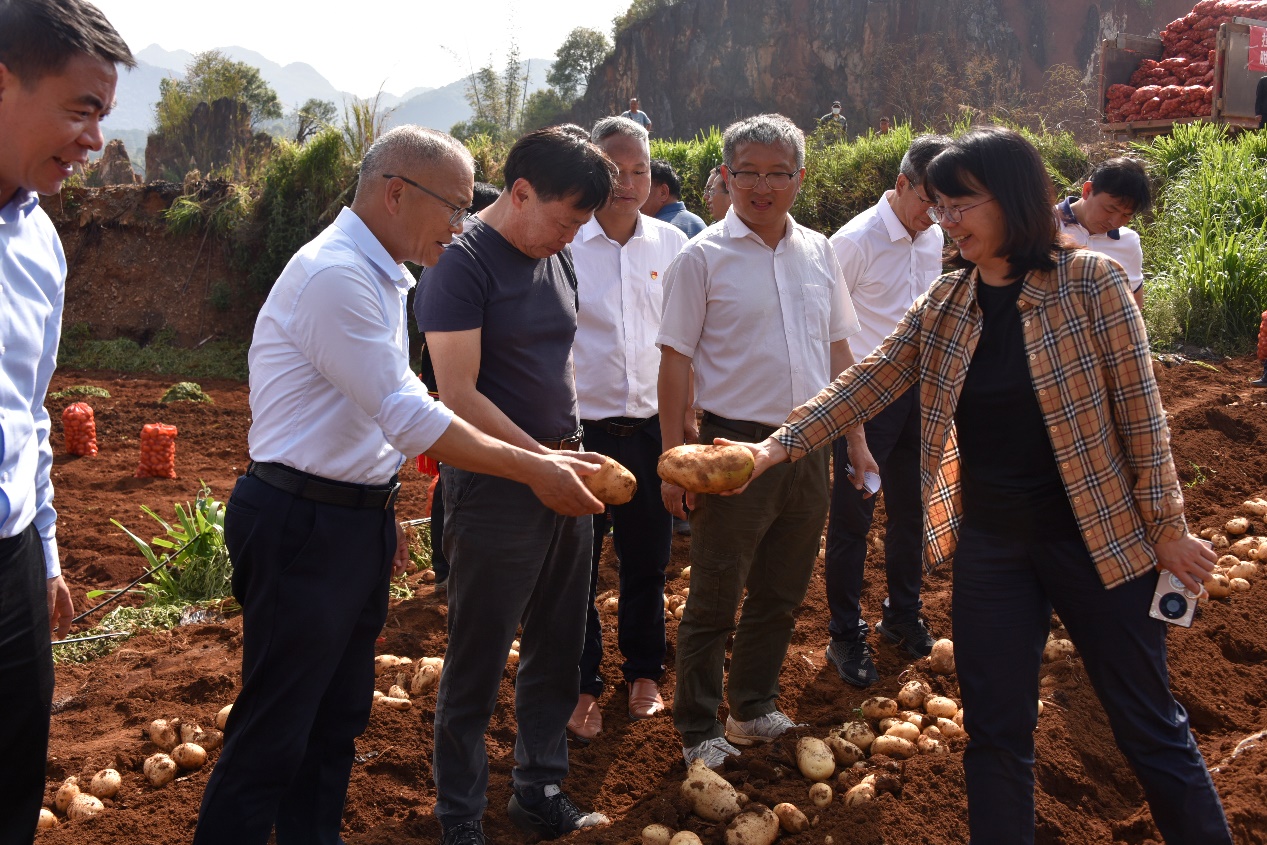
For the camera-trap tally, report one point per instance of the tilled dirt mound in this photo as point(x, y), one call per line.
point(631, 772)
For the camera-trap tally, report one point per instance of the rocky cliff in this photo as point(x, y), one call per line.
point(702, 63)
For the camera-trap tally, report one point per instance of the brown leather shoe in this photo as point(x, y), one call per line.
point(587, 720)
point(644, 699)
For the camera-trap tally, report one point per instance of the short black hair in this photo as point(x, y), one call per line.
point(38, 37)
point(922, 150)
point(485, 195)
point(662, 173)
point(1000, 162)
point(559, 165)
point(1124, 178)
point(573, 129)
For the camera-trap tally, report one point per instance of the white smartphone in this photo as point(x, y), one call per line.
point(870, 480)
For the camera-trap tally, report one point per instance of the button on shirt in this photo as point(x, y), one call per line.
point(621, 291)
point(1088, 358)
point(757, 322)
point(331, 389)
point(1122, 245)
point(32, 291)
point(885, 269)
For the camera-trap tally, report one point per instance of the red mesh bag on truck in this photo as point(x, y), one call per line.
point(1262, 339)
point(158, 451)
point(80, 428)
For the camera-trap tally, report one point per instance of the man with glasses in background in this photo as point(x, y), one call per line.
point(751, 369)
point(889, 255)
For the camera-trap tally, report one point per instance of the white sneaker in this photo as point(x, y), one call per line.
point(765, 728)
point(712, 751)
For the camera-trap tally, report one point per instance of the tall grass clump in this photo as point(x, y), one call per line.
point(1206, 248)
point(692, 161)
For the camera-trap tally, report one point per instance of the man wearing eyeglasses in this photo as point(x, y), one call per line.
point(889, 255)
point(758, 306)
point(311, 527)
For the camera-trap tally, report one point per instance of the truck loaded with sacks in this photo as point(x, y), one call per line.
point(1203, 66)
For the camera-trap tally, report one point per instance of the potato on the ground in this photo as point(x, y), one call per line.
point(84, 806)
point(941, 707)
point(222, 718)
point(706, 469)
point(1236, 525)
point(1257, 506)
point(903, 729)
point(105, 783)
point(66, 793)
point(1246, 569)
point(930, 745)
point(1218, 586)
point(159, 769)
point(862, 793)
point(879, 707)
point(189, 755)
point(791, 819)
point(814, 758)
point(820, 795)
point(894, 746)
point(395, 703)
point(859, 733)
point(845, 752)
point(47, 819)
point(912, 694)
point(164, 735)
point(709, 795)
point(950, 728)
point(1238, 584)
point(612, 484)
point(756, 824)
point(685, 837)
point(1058, 649)
point(942, 658)
point(656, 834)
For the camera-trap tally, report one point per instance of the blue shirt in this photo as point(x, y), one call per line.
point(676, 213)
point(32, 291)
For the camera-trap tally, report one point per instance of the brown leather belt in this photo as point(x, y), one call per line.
point(754, 431)
point(304, 485)
point(568, 444)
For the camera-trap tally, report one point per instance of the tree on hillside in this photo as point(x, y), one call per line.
point(638, 10)
point(212, 76)
point(496, 99)
point(311, 117)
point(545, 107)
point(583, 50)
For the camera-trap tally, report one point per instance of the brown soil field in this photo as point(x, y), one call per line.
point(1085, 793)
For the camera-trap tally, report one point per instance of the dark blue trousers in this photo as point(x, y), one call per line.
point(439, 563)
point(894, 440)
point(1004, 592)
point(26, 676)
point(312, 581)
point(642, 533)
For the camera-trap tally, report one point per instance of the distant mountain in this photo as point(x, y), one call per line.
point(440, 108)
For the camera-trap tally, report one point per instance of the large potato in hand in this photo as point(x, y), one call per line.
point(612, 484)
point(706, 469)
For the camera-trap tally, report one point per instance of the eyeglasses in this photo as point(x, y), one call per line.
point(459, 213)
point(954, 213)
point(925, 200)
point(709, 193)
point(746, 180)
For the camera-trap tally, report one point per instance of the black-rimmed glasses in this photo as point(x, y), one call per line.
point(459, 213)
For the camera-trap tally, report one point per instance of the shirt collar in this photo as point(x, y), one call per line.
point(897, 231)
point(21, 205)
point(1065, 209)
point(737, 229)
point(354, 227)
point(593, 229)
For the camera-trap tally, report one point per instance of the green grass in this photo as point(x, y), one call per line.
point(122, 620)
point(80, 391)
point(218, 359)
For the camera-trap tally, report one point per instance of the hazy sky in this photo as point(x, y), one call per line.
point(404, 43)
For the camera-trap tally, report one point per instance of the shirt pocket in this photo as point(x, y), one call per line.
point(817, 304)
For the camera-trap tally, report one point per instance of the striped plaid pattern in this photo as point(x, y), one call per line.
point(1089, 361)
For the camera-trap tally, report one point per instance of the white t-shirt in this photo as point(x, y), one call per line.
point(621, 292)
point(885, 269)
point(758, 323)
point(1122, 245)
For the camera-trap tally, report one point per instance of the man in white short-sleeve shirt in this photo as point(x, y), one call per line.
point(757, 305)
point(1113, 194)
point(889, 255)
point(621, 257)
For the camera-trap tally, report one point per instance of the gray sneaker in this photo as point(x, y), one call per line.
point(765, 728)
point(712, 751)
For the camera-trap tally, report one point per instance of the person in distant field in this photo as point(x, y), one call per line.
point(716, 194)
point(621, 257)
point(889, 255)
point(58, 69)
point(1115, 192)
point(483, 197)
point(665, 200)
point(834, 118)
point(637, 115)
point(756, 304)
point(885, 127)
point(1260, 101)
point(311, 527)
point(500, 314)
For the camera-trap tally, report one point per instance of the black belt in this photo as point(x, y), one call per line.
point(754, 431)
point(314, 488)
point(618, 426)
point(570, 444)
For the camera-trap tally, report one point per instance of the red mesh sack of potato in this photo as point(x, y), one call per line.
point(1119, 92)
point(80, 429)
point(158, 451)
point(1262, 339)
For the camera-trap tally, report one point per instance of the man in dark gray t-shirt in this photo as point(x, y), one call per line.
point(499, 312)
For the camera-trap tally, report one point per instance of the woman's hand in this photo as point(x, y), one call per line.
point(765, 454)
point(1189, 559)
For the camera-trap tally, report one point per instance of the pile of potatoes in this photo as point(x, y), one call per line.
point(76, 804)
point(1240, 552)
point(417, 677)
point(183, 747)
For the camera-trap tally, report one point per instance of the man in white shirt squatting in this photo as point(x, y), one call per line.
point(889, 255)
point(758, 306)
point(311, 527)
point(1113, 194)
point(621, 257)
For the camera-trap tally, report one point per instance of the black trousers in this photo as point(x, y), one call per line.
point(1004, 592)
point(894, 440)
point(642, 533)
point(312, 581)
point(26, 677)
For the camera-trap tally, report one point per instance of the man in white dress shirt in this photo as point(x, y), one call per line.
point(311, 527)
point(757, 305)
point(58, 62)
point(621, 257)
point(1113, 194)
point(889, 255)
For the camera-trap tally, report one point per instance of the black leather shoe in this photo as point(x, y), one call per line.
point(552, 816)
point(853, 663)
point(466, 833)
point(912, 636)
